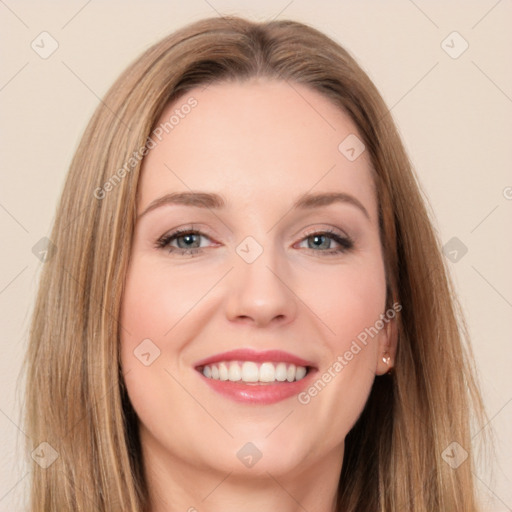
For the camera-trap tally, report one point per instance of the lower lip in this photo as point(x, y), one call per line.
point(259, 393)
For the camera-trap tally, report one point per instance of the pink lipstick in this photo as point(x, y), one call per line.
point(254, 377)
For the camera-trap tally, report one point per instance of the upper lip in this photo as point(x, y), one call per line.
point(245, 354)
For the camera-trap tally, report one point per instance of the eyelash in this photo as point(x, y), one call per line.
point(345, 243)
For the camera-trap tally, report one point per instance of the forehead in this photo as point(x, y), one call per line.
point(257, 143)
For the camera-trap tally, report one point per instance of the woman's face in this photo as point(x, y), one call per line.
point(267, 272)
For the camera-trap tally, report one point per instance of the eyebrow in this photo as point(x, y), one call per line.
point(215, 201)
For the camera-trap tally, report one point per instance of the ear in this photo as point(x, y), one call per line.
point(387, 341)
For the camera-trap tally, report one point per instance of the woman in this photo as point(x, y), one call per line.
point(248, 307)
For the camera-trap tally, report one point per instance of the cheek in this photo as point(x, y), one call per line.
point(349, 300)
point(149, 311)
point(159, 316)
point(350, 307)
point(156, 298)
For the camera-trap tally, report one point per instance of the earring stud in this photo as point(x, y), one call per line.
point(387, 360)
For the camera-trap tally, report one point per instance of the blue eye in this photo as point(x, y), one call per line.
point(188, 242)
point(324, 239)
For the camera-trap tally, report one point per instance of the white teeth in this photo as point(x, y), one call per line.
point(300, 372)
point(249, 371)
point(281, 372)
point(290, 374)
point(267, 372)
point(223, 371)
point(235, 372)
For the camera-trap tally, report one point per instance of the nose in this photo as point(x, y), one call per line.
point(261, 292)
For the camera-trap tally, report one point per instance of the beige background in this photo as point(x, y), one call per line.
point(455, 116)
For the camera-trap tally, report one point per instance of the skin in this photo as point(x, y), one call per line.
point(236, 142)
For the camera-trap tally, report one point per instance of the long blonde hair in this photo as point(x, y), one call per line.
point(75, 395)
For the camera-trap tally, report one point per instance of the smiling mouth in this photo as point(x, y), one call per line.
point(254, 373)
